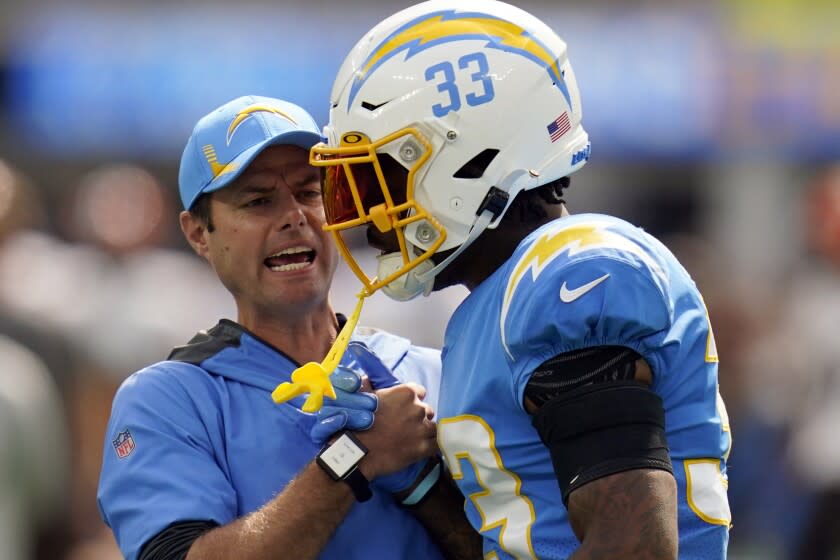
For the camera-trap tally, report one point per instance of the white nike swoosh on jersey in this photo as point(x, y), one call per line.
point(568, 296)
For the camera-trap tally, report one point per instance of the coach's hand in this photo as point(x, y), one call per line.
point(401, 439)
point(401, 416)
point(381, 377)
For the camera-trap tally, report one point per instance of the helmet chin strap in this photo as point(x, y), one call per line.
point(421, 279)
point(477, 229)
point(491, 208)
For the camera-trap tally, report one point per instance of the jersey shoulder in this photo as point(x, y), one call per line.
point(159, 429)
point(160, 377)
point(583, 281)
point(162, 393)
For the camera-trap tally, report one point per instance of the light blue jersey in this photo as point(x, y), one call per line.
point(198, 437)
point(577, 282)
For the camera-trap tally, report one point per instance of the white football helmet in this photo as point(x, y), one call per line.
point(439, 116)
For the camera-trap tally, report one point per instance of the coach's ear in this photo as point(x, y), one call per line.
point(195, 231)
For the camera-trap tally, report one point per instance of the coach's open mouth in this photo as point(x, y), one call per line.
point(291, 258)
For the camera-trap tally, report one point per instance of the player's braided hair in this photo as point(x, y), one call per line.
point(530, 205)
point(552, 192)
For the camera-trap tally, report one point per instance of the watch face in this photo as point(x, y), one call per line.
point(344, 454)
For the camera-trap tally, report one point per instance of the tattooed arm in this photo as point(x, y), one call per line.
point(442, 513)
point(605, 430)
point(632, 514)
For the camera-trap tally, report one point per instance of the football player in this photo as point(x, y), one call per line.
point(579, 409)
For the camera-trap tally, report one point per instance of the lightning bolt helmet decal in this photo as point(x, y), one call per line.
point(446, 26)
point(443, 81)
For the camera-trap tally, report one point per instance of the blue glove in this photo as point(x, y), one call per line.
point(350, 410)
point(362, 359)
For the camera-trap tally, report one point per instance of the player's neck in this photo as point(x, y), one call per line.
point(493, 248)
point(486, 255)
point(496, 246)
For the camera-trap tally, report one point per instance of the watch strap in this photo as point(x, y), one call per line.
point(340, 460)
point(359, 485)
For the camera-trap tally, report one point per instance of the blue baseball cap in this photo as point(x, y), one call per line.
point(225, 141)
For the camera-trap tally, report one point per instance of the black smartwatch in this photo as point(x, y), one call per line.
point(341, 458)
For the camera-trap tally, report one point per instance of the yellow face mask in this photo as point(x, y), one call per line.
point(357, 193)
point(364, 184)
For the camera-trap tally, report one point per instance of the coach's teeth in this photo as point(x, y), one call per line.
point(287, 267)
point(291, 251)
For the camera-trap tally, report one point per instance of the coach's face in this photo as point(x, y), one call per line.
point(268, 246)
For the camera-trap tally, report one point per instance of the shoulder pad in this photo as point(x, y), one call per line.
point(583, 283)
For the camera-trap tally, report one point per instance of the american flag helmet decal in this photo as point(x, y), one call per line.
point(559, 126)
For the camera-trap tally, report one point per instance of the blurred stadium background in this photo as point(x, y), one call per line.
point(715, 125)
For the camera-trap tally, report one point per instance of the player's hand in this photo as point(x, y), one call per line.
point(351, 409)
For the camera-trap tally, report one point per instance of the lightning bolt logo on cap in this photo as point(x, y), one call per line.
point(209, 151)
point(217, 168)
point(245, 113)
point(447, 26)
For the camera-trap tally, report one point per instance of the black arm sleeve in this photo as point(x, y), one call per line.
point(564, 372)
point(595, 419)
point(175, 541)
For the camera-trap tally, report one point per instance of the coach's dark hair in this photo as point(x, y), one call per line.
point(201, 210)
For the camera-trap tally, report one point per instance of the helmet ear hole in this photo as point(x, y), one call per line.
point(475, 168)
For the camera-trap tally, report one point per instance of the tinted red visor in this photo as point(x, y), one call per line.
point(339, 204)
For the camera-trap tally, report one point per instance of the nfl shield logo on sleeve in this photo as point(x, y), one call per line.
point(124, 444)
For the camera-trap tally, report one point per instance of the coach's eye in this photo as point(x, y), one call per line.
point(310, 194)
point(258, 202)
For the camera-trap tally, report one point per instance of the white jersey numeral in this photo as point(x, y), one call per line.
point(724, 424)
point(706, 489)
point(499, 503)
